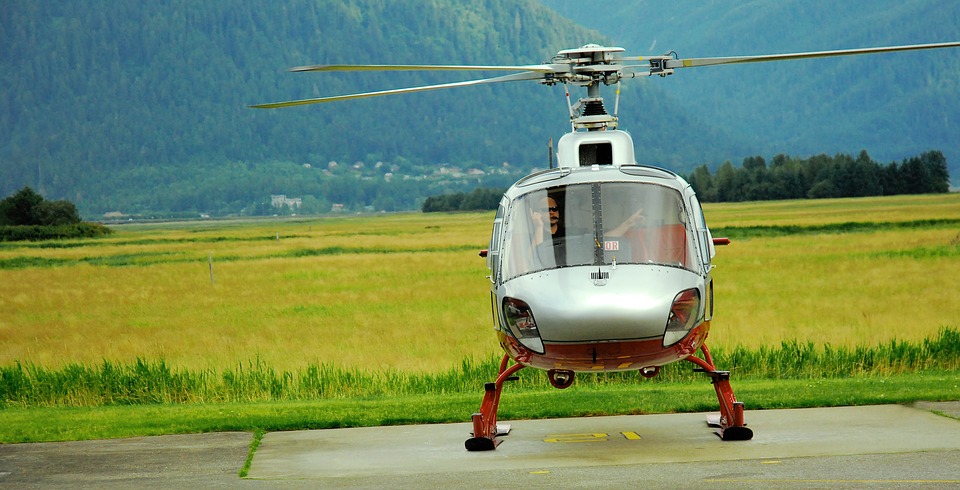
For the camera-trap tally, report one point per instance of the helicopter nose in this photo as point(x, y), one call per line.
point(635, 302)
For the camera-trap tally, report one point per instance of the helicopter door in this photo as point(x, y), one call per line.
point(707, 250)
point(493, 250)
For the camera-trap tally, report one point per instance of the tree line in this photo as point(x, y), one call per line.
point(817, 177)
point(480, 199)
point(821, 176)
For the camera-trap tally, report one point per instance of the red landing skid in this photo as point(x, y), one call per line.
point(729, 423)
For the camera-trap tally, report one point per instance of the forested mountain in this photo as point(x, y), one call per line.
point(143, 107)
point(895, 106)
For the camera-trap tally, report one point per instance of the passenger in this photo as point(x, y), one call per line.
point(635, 219)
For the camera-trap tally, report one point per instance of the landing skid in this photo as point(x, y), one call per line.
point(730, 433)
point(485, 427)
point(729, 422)
point(487, 443)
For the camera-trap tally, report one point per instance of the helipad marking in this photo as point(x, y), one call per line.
point(589, 437)
point(574, 438)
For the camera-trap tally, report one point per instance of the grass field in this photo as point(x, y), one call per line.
point(403, 291)
point(409, 292)
point(813, 275)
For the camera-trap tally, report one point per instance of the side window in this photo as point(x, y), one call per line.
point(493, 251)
point(703, 233)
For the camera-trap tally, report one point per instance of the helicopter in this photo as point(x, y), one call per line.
point(598, 263)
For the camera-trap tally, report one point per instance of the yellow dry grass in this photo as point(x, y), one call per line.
point(411, 292)
point(839, 289)
point(406, 310)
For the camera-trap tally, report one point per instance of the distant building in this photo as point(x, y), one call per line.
point(280, 200)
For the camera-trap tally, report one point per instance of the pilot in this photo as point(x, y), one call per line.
point(550, 252)
point(551, 216)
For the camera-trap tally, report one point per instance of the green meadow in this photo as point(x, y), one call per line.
point(366, 320)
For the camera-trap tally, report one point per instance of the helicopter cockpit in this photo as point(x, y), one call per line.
point(597, 223)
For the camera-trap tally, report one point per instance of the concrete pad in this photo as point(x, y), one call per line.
point(434, 452)
point(172, 461)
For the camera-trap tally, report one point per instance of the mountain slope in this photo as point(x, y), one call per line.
point(893, 105)
point(143, 106)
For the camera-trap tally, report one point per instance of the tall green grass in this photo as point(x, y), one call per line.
point(768, 231)
point(154, 382)
point(140, 259)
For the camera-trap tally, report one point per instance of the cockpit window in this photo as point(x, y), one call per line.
point(597, 224)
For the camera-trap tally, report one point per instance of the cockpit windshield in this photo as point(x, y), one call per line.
point(597, 224)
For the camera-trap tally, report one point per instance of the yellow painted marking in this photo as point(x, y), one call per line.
point(770, 462)
point(540, 472)
point(687, 63)
point(624, 365)
point(587, 437)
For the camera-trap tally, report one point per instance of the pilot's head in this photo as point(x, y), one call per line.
point(554, 211)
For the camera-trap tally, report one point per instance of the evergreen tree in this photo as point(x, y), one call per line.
point(56, 213)
point(22, 208)
point(821, 176)
point(936, 165)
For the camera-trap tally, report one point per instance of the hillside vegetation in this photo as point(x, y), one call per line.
point(142, 108)
point(894, 105)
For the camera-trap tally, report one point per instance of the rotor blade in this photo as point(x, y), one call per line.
point(536, 68)
point(692, 62)
point(528, 75)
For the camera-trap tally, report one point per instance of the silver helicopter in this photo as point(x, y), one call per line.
point(598, 264)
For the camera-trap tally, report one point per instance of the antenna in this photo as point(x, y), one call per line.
point(550, 152)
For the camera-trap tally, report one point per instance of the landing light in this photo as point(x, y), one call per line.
point(683, 316)
point(520, 319)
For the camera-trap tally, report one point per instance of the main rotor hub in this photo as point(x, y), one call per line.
point(589, 66)
point(588, 54)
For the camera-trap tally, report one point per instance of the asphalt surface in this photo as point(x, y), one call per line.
point(885, 446)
